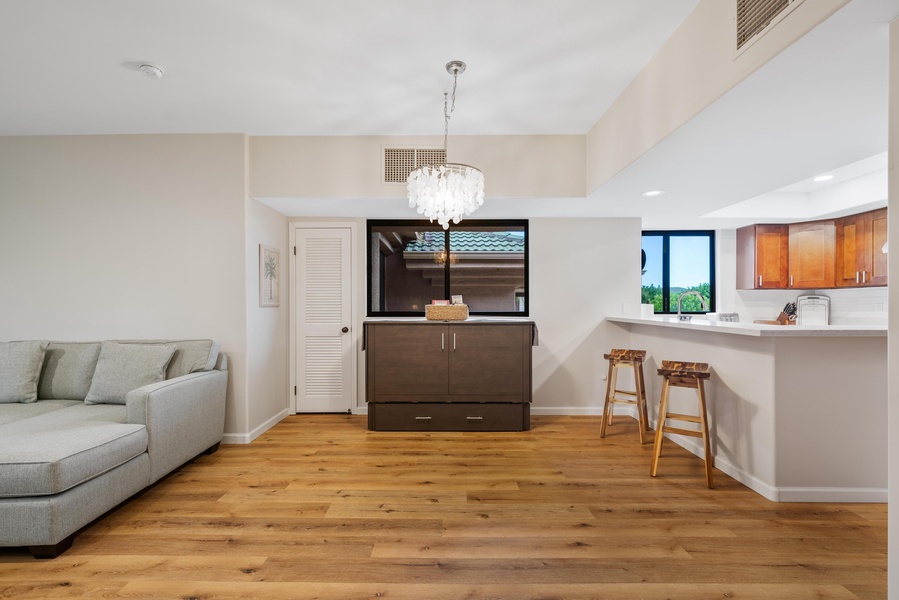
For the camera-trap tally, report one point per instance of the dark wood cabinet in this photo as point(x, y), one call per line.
point(860, 260)
point(812, 257)
point(763, 257)
point(438, 376)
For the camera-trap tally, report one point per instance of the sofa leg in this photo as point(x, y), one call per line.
point(212, 449)
point(53, 550)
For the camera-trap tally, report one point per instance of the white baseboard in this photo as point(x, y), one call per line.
point(246, 438)
point(819, 494)
point(595, 411)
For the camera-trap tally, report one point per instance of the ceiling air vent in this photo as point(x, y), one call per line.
point(399, 162)
point(755, 16)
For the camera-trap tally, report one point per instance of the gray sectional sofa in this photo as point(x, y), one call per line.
point(86, 425)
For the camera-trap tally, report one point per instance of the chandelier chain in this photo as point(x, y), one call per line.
point(447, 113)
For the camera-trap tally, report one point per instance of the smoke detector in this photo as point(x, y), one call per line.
point(151, 70)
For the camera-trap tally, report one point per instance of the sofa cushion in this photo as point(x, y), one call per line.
point(55, 451)
point(191, 356)
point(16, 412)
point(68, 370)
point(125, 367)
point(20, 370)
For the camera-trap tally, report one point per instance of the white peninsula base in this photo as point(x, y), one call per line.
point(797, 414)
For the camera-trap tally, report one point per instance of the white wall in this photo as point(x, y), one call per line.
point(695, 67)
point(581, 270)
point(268, 399)
point(126, 237)
point(893, 340)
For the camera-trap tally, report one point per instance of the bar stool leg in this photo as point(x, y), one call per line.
point(642, 415)
point(709, 459)
point(607, 407)
point(663, 414)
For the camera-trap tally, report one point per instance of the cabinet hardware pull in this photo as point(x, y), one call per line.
point(454, 342)
point(856, 277)
point(474, 418)
point(791, 281)
point(422, 418)
point(760, 281)
point(442, 343)
point(864, 277)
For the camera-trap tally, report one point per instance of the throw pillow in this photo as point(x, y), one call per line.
point(190, 356)
point(20, 369)
point(68, 370)
point(125, 367)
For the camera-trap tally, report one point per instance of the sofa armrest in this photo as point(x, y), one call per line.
point(184, 417)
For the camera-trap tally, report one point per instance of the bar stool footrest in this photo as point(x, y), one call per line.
point(679, 431)
point(690, 418)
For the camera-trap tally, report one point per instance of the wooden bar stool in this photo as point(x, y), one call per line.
point(688, 375)
point(634, 360)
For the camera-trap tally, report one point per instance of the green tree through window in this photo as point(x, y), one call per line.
point(678, 262)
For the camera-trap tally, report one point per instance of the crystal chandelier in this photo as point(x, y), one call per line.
point(448, 191)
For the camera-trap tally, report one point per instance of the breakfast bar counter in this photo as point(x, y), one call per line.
point(797, 413)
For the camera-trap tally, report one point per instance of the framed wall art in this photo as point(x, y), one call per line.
point(269, 276)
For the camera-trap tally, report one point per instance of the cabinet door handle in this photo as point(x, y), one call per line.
point(856, 277)
point(442, 342)
point(454, 342)
point(791, 281)
point(760, 281)
point(422, 418)
point(864, 277)
point(474, 418)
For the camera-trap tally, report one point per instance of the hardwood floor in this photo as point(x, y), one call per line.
point(319, 507)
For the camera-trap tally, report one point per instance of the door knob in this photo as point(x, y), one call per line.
point(345, 329)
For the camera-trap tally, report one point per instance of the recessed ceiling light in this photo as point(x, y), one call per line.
point(151, 71)
point(652, 193)
point(823, 178)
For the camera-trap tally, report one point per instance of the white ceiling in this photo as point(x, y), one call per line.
point(323, 67)
point(364, 67)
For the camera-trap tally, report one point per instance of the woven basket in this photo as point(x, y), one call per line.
point(454, 312)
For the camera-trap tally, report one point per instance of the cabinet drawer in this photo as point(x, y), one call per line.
point(458, 416)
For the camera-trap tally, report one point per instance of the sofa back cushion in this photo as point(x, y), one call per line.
point(191, 356)
point(68, 370)
point(125, 367)
point(20, 370)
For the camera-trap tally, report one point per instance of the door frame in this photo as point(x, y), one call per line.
point(354, 272)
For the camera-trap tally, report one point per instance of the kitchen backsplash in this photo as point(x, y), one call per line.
point(854, 306)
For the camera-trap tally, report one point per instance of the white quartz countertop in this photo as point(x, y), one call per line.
point(757, 329)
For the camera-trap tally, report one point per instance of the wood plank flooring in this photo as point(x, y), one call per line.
point(319, 507)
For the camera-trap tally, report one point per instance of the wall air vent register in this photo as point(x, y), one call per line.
point(755, 17)
point(399, 162)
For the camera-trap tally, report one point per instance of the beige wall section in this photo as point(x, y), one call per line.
point(522, 166)
point(695, 67)
point(126, 237)
point(267, 327)
point(893, 340)
point(581, 270)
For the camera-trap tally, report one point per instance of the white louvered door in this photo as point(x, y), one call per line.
point(324, 348)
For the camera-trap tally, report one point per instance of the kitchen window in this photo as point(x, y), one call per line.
point(411, 263)
point(675, 263)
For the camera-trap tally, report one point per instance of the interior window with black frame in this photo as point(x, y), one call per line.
point(679, 265)
point(412, 263)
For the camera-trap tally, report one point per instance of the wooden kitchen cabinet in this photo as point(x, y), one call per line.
point(812, 255)
point(763, 257)
point(860, 261)
point(437, 376)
